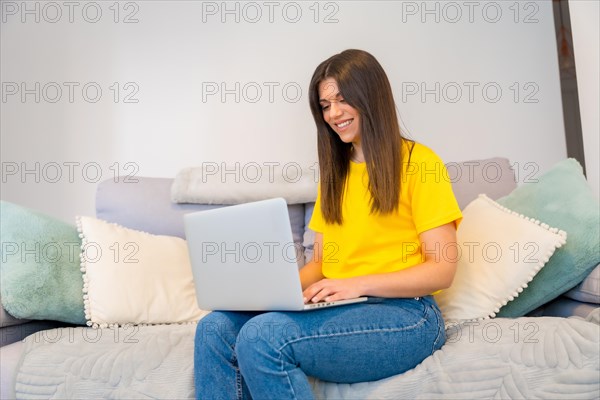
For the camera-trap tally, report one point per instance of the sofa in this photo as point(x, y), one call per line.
point(552, 352)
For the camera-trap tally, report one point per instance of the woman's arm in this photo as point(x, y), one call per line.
point(435, 273)
point(311, 272)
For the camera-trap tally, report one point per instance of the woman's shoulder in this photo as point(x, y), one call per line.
point(418, 152)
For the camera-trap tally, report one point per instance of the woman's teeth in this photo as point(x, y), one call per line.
point(345, 124)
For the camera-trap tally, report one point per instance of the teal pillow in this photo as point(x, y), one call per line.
point(563, 199)
point(39, 264)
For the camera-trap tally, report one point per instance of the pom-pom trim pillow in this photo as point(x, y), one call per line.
point(500, 253)
point(563, 198)
point(133, 277)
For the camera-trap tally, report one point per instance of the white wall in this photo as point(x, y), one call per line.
point(176, 49)
point(585, 22)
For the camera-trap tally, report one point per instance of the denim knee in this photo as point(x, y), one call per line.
point(247, 352)
point(221, 326)
point(260, 339)
point(250, 343)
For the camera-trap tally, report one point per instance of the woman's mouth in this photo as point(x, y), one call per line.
point(344, 124)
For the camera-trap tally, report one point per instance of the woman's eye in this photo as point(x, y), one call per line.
point(324, 108)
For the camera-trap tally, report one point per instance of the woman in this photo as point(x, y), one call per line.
point(385, 221)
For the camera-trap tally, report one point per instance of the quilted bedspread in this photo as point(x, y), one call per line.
point(501, 358)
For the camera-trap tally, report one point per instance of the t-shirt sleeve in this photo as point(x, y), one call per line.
point(317, 223)
point(432, 199)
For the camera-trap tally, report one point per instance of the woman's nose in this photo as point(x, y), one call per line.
point(334, 110)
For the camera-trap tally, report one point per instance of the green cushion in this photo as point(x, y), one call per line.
point(562, 199)
point(39, 264)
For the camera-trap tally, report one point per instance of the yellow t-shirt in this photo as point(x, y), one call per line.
point(368, 243)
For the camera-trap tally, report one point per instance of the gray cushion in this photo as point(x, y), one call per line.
point(589, 290)
point(8, 320)
point(15, 333)
point(564, 307)
point(146, 206)
point(492, 176)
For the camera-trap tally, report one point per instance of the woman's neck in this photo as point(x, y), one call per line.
point(357, 154)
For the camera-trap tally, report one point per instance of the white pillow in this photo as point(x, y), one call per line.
point(500, 252)
point(214, 184)
point(133, 277)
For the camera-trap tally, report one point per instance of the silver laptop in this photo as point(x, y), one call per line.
point(243, 258)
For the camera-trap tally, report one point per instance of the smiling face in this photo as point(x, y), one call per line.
point(341, 117)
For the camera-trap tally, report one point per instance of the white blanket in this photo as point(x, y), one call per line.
point(214, 183)
point(502, 358)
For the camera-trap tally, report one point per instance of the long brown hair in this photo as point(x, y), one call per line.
point(363, 84)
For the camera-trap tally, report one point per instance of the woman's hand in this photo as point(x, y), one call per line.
point(333, 290)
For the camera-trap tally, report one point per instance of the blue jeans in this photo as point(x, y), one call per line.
point(244, 355)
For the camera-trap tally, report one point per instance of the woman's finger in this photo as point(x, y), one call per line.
point(320, 295)
point(324, 290)
point(311, 291)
